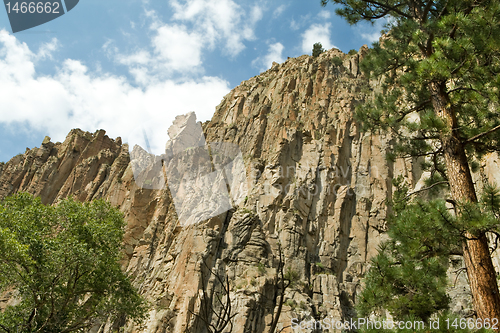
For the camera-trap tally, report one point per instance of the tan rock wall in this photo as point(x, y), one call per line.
point(317, 190)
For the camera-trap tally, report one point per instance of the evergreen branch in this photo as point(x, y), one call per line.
point(466, 13)
point(426, 11)
point(444, 10)
point(480, 135)
point(436, 165)
point(459, 66)
point(434, 153)
point(424, 138)
point(417, 108)
point(459, 89)
point(387, 8)
point(4, 328)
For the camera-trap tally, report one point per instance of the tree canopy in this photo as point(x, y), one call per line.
point(61, 265)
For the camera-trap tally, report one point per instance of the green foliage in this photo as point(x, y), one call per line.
point(291, 303)
point(261, 268)
point(352, 52)
point(292, 276)
point(421, 234)
point(460, 56)
point(408, 276)
point(317, 49)
point(490, 200)
point(336, 61)
point(64, 262)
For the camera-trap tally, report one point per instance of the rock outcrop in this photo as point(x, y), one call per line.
point(315, 202)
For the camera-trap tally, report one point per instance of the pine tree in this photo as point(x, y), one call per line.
point(317, 49)
point(408, 276)
point(440, 63)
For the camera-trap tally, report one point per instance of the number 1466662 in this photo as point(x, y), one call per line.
point(33, 7)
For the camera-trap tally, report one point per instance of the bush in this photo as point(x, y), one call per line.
point(336, 61)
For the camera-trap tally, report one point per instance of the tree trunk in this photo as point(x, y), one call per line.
point(480, 270)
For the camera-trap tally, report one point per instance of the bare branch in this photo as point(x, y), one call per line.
point(480, 135)
point(425, 188)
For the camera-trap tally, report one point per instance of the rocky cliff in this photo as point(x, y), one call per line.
point(314, 203)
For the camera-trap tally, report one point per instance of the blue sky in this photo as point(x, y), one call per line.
point(131, 66)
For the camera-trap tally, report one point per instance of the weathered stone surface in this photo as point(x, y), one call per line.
point(316, 189)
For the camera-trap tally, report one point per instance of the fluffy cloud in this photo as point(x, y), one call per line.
point(324, 14)
point(169, 76)
point(371, 37)
point(177, 48)
point(45, 51)
point(316, 33)
point(74, 97)
point(219, 21)
point(275, 52)
point(371, 32)
point(180, 49)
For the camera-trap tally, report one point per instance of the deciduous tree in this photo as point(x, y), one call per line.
point(62, 262)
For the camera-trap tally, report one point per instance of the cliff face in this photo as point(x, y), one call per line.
point(315, 189)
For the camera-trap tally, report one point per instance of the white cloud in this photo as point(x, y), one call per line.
point(175, 51)
point(324, 14)
point(371, 37)
point(177, 48)
point(46, 50)
point(316, 33)
point(221, 21)
point(256, 15)
point(279, 10)
point(180, 49)
point(371, 33)
point(141, 57)
point(274, 55)
point(302, 21)
point(169, 75)
point(75, 97)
